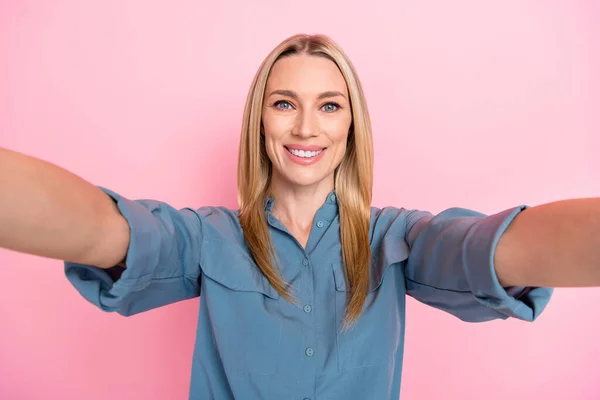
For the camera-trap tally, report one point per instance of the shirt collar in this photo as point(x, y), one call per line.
point(330, 207)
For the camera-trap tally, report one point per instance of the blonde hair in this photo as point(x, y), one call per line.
point(353, 178)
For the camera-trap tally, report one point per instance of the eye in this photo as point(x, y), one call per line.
point(330, 107)
point(282, 105)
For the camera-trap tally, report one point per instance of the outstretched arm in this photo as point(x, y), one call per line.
point(552, 245)
point(50, 212)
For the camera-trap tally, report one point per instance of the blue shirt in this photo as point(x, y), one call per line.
point(252, 344)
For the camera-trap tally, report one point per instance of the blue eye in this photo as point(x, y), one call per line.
point(283, 105)
point(331, 107)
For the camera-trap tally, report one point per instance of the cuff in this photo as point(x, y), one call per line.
point(524, 303)
point(98, 285)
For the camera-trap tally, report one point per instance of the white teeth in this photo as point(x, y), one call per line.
point(304, 154)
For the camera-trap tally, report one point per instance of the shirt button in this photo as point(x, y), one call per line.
point(320, 224)
point(307, 308)
point(306, 398)
point(309, 352)
point(305, 261)
point(332, 198)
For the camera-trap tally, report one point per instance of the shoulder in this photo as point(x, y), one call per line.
point(394, 221)
point(220, 224)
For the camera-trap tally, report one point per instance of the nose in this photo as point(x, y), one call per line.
point(307, 125)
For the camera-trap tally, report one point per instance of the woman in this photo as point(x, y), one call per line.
point(303, 289)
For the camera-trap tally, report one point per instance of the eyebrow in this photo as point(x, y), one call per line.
point(294, 95)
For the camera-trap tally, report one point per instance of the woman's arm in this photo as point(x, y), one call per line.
point(50, 212)
point(552, 245)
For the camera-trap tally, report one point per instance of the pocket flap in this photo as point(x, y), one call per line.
point(233, 268)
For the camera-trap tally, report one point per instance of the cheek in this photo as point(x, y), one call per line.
point(275, 123)
point(273, 143)
point(274, 130)
point(337, 128)
point(340, 153)
point(270, 134)
point(340, 137)
point(269, 146)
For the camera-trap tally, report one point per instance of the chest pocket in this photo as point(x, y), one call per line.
point(243, 308)
point(379, 333)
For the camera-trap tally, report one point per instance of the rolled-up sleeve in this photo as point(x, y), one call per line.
point(451, 266)
point(162, 260)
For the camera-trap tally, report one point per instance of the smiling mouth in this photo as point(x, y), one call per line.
point(304, 153)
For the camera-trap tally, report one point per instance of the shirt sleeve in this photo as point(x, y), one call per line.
point(162, 260)
point(451, 266)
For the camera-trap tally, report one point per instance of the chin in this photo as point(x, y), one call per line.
point(304, 179)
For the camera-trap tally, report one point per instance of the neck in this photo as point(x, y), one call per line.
point(295, 206)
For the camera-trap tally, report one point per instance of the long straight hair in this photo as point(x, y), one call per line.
point(353, 177)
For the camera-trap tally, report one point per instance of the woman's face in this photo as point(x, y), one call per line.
point(306, 118)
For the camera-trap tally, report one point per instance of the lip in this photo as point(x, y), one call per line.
point(305, 148)
point(305, 161)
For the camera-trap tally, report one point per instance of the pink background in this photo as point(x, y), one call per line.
point(483, 105)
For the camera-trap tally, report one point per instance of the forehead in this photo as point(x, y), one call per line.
point(306, 74)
